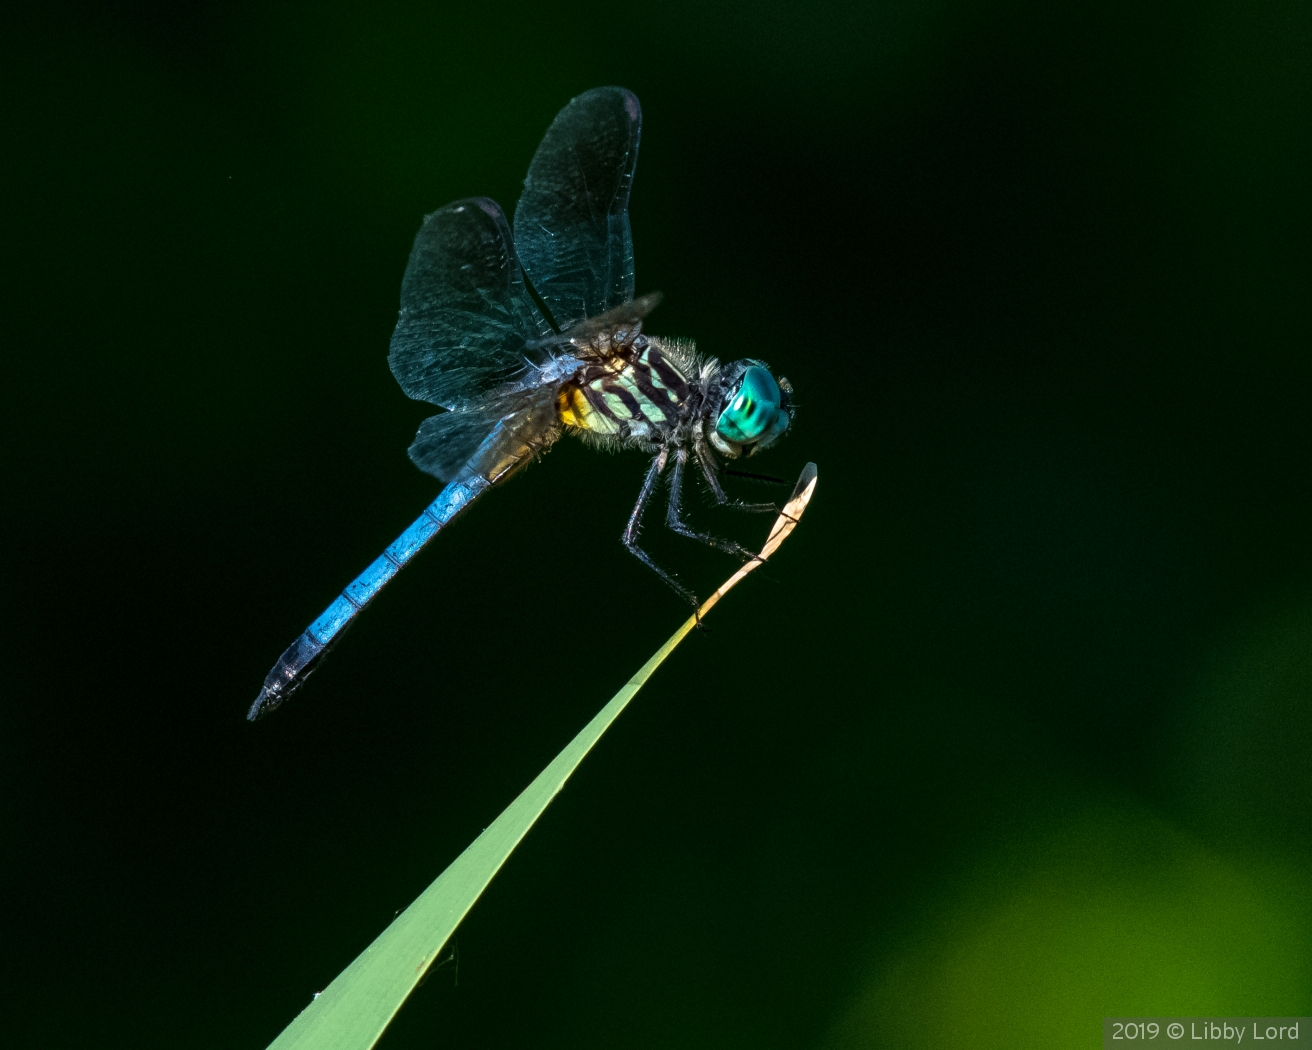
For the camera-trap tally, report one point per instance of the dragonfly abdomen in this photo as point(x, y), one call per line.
point(301, 657)
point(514, 442)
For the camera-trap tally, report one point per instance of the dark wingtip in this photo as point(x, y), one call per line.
point(645, 304)
point(632, 106)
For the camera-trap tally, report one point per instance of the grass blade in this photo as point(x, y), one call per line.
point(352, 1012)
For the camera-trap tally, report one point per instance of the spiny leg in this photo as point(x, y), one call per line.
point(630, 537)
point(710, 469)
point(675, 522)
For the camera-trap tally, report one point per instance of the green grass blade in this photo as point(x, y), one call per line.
point(352, 1012)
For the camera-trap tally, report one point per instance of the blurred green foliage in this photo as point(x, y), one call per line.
point(1111, 911)
point(1243, 773)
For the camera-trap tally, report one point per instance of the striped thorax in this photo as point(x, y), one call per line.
point(629, 390)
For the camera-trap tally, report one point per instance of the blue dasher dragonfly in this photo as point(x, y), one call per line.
point(524, 337)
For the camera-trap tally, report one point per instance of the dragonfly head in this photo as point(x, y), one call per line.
point(755, 411)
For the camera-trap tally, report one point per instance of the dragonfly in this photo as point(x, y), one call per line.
point(524, 333)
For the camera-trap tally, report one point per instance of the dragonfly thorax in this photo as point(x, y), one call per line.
point(640, 392)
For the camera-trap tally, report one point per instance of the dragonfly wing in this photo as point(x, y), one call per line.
point(617, 323)
point(487, 439)
point(445, 442)
point(466, 317)
point(572, 223)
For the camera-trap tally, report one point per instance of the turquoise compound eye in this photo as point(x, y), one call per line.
point(753, 409)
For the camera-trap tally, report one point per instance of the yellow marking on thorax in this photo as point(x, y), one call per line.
point(573, 408)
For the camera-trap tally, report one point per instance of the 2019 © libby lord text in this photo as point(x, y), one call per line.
point(1234, 1030)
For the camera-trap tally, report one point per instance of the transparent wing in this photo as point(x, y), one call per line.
point(466, 318)
point(618, 323)
point(572, 223)
point(492, 440)
point(446, 442)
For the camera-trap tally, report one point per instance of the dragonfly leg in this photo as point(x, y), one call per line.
point(711, 470)
point(630, 537)
point(675, 522)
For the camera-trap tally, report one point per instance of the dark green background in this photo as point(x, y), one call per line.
point(1016, 733)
